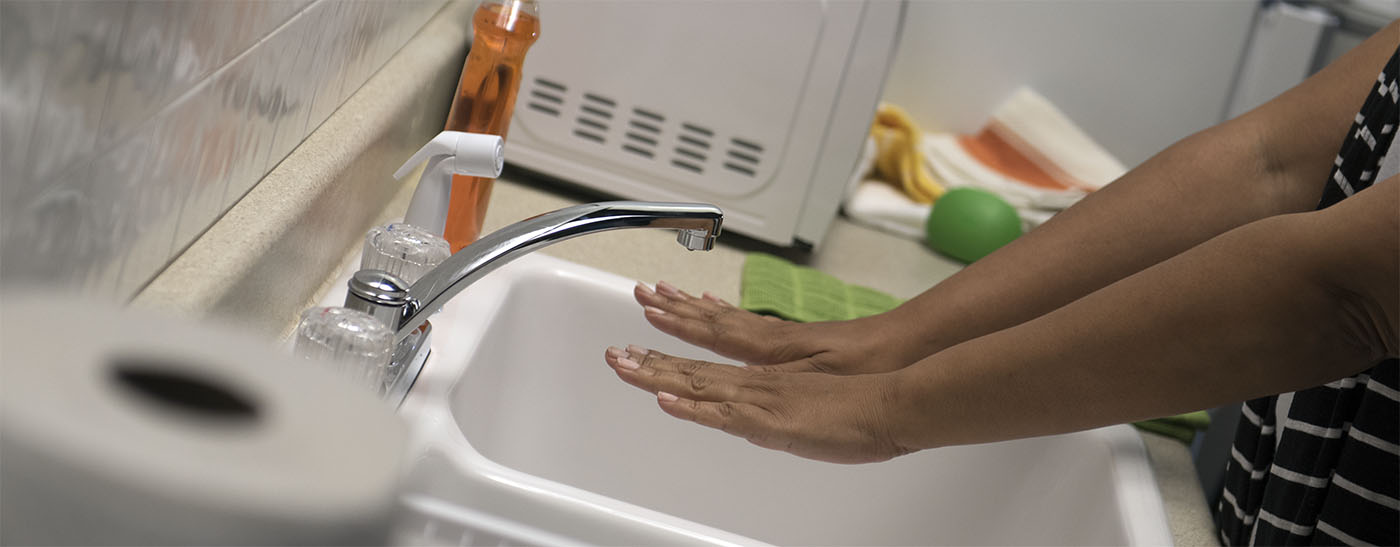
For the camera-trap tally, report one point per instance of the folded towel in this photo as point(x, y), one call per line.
point(883, 207)
point(772, 286)
point(1042, 134)
point(1028, 152)
point(955, 164)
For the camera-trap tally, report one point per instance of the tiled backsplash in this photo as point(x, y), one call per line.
point(128, 127)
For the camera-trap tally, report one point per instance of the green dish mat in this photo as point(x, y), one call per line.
point(774, 286)
point(1182, 427)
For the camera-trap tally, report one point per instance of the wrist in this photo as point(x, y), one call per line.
point(906, 396)
point(908, 334)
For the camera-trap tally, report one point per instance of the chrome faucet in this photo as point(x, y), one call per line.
point(406, 308)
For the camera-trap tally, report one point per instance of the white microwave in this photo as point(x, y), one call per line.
point(761, 107)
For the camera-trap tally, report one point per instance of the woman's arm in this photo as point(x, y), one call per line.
point(1273, 160)
point(1278, 304)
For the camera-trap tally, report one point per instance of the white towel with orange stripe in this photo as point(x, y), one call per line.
point(1028, 152)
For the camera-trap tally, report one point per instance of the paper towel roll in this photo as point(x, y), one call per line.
point(119, 427)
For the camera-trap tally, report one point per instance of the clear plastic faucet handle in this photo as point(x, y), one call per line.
point(404, 250)
point(348, 341)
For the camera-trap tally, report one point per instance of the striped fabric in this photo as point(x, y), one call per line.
point(1330, 472)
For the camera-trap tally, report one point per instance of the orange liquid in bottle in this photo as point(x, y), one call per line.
point(485, 99)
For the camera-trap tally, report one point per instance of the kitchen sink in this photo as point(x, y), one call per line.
point(518, 416)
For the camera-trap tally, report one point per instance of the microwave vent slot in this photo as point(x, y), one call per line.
point(643, 152)
point(596, 112)
point(690, 154)
point(707, 133)
point(551, 85)
point(649, 115)
point(643, 133)
point(747, 145)
point(592, 123)
point(743, 156)
point(601, 100)
point(688, 166)
point(692, 141)
point(739, 168)
point(588, 135)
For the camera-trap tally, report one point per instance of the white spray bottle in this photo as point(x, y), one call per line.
point(449, 153)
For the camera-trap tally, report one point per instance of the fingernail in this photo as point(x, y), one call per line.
point(628, 363)
point(653, 310)
point(644, 288)
point(668, 290)
point(616, 352)
point(636, 350)
point(666, 397)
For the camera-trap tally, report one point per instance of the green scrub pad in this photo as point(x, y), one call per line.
point(773, 286)
point(1182, 427)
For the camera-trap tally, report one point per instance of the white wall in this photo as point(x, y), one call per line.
point(1137, 75)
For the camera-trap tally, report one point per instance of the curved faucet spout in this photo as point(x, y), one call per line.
point(699, 225)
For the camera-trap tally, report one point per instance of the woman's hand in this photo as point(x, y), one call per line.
point(859, 346)
point(840, 419)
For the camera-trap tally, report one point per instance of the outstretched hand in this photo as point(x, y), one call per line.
point(841, 419)
point(858, 346)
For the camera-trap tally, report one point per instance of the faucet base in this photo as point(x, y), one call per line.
point(409, 357)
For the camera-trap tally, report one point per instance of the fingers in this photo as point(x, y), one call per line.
point(800, 365)
point(710, 322)
point(698, 380)
point(842, 419)
point(711, 297)
point(740, 419)
point(820, 428)
point(671, 299)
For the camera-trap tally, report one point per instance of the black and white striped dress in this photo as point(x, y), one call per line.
point(1322, 466)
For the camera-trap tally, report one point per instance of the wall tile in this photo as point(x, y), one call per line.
point(75, 86)
point(247, 21)
point(285, 104)
point(201, 167)
point(328, 60)
point(61, 220)
point(117, 177)
point(235, 92)
point(128, 127)
point(26, 43)
point(143, 68)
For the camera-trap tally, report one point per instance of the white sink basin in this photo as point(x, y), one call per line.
point(519, 416)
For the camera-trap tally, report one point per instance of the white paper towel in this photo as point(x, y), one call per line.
point(118, 427)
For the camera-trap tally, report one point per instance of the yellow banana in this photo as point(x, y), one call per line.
point(897, 158)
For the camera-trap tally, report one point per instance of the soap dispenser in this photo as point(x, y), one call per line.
point(449, 153)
